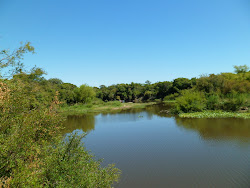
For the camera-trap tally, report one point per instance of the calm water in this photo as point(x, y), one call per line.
point(156, 150)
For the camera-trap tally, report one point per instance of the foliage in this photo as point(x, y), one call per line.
point(68, 93)
point(171, 97)
point(25, 133)
point(79, 109)
point(181, 84)
point(137, 92)
point(215, 114)
point(70, 165)
point(12, 60)
point(210, 84)
point(190, 101)
point(162, 89)
point(85, 94)
point(33, 154)
point(233, 101)
point(213, 101)
point(241, 69)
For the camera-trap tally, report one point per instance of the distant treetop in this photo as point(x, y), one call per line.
point(241, 69)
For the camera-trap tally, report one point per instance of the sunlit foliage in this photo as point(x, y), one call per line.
point(33, 154)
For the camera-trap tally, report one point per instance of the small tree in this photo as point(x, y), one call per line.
point(241, 69)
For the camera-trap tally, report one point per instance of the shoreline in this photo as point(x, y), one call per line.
point(113, 106)
point(216, 114)
point(81, 109)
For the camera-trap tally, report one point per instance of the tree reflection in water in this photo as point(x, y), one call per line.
point(220, 128)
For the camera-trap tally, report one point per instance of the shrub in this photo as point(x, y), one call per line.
point(32, 152)
point(233, 101)
point(213, 102)
point(70, 165)
point(171, 97)
point(190, 101)
point(97, 101)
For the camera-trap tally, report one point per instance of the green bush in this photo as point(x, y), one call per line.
point(85, 94)
point(233, 101)
point(190, 101)
point(213, 102)
point(98, 101)
point(32, 152)
point(70, 165)
point(229, 102)
point(171, 97)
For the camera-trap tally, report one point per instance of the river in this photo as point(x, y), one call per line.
point(157, 150)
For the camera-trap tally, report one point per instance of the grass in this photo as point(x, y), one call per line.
point(169, 101)
point(79, 109)
point(215, 114)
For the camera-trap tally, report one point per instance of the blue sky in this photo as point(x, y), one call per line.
point(121, 41)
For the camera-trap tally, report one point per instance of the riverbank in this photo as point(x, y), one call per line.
point(113, 106)
point(79, 109)
point(216, 114)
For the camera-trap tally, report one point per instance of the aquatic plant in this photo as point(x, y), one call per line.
point(215, 114)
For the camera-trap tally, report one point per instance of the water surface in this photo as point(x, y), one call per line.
point(156, 150)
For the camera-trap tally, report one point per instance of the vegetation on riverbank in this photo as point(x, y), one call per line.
point(215, 114)
point(33, 153)
point(227, 92)
point(100, 106)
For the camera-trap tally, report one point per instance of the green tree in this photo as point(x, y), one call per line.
point(55, 81)
point(181, 84)
point(85, 94)
point(241, 69)
point(163, 89)
point(67, 93)
point(12, 60)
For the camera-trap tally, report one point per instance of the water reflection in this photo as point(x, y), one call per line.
point(154, 149)
point(86, 123)
point(223, 128)
point(228, 128)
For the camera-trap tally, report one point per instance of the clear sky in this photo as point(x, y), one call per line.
point(119, 41)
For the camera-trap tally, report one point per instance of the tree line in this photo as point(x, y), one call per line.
point(225, 91)
point(217, 91)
